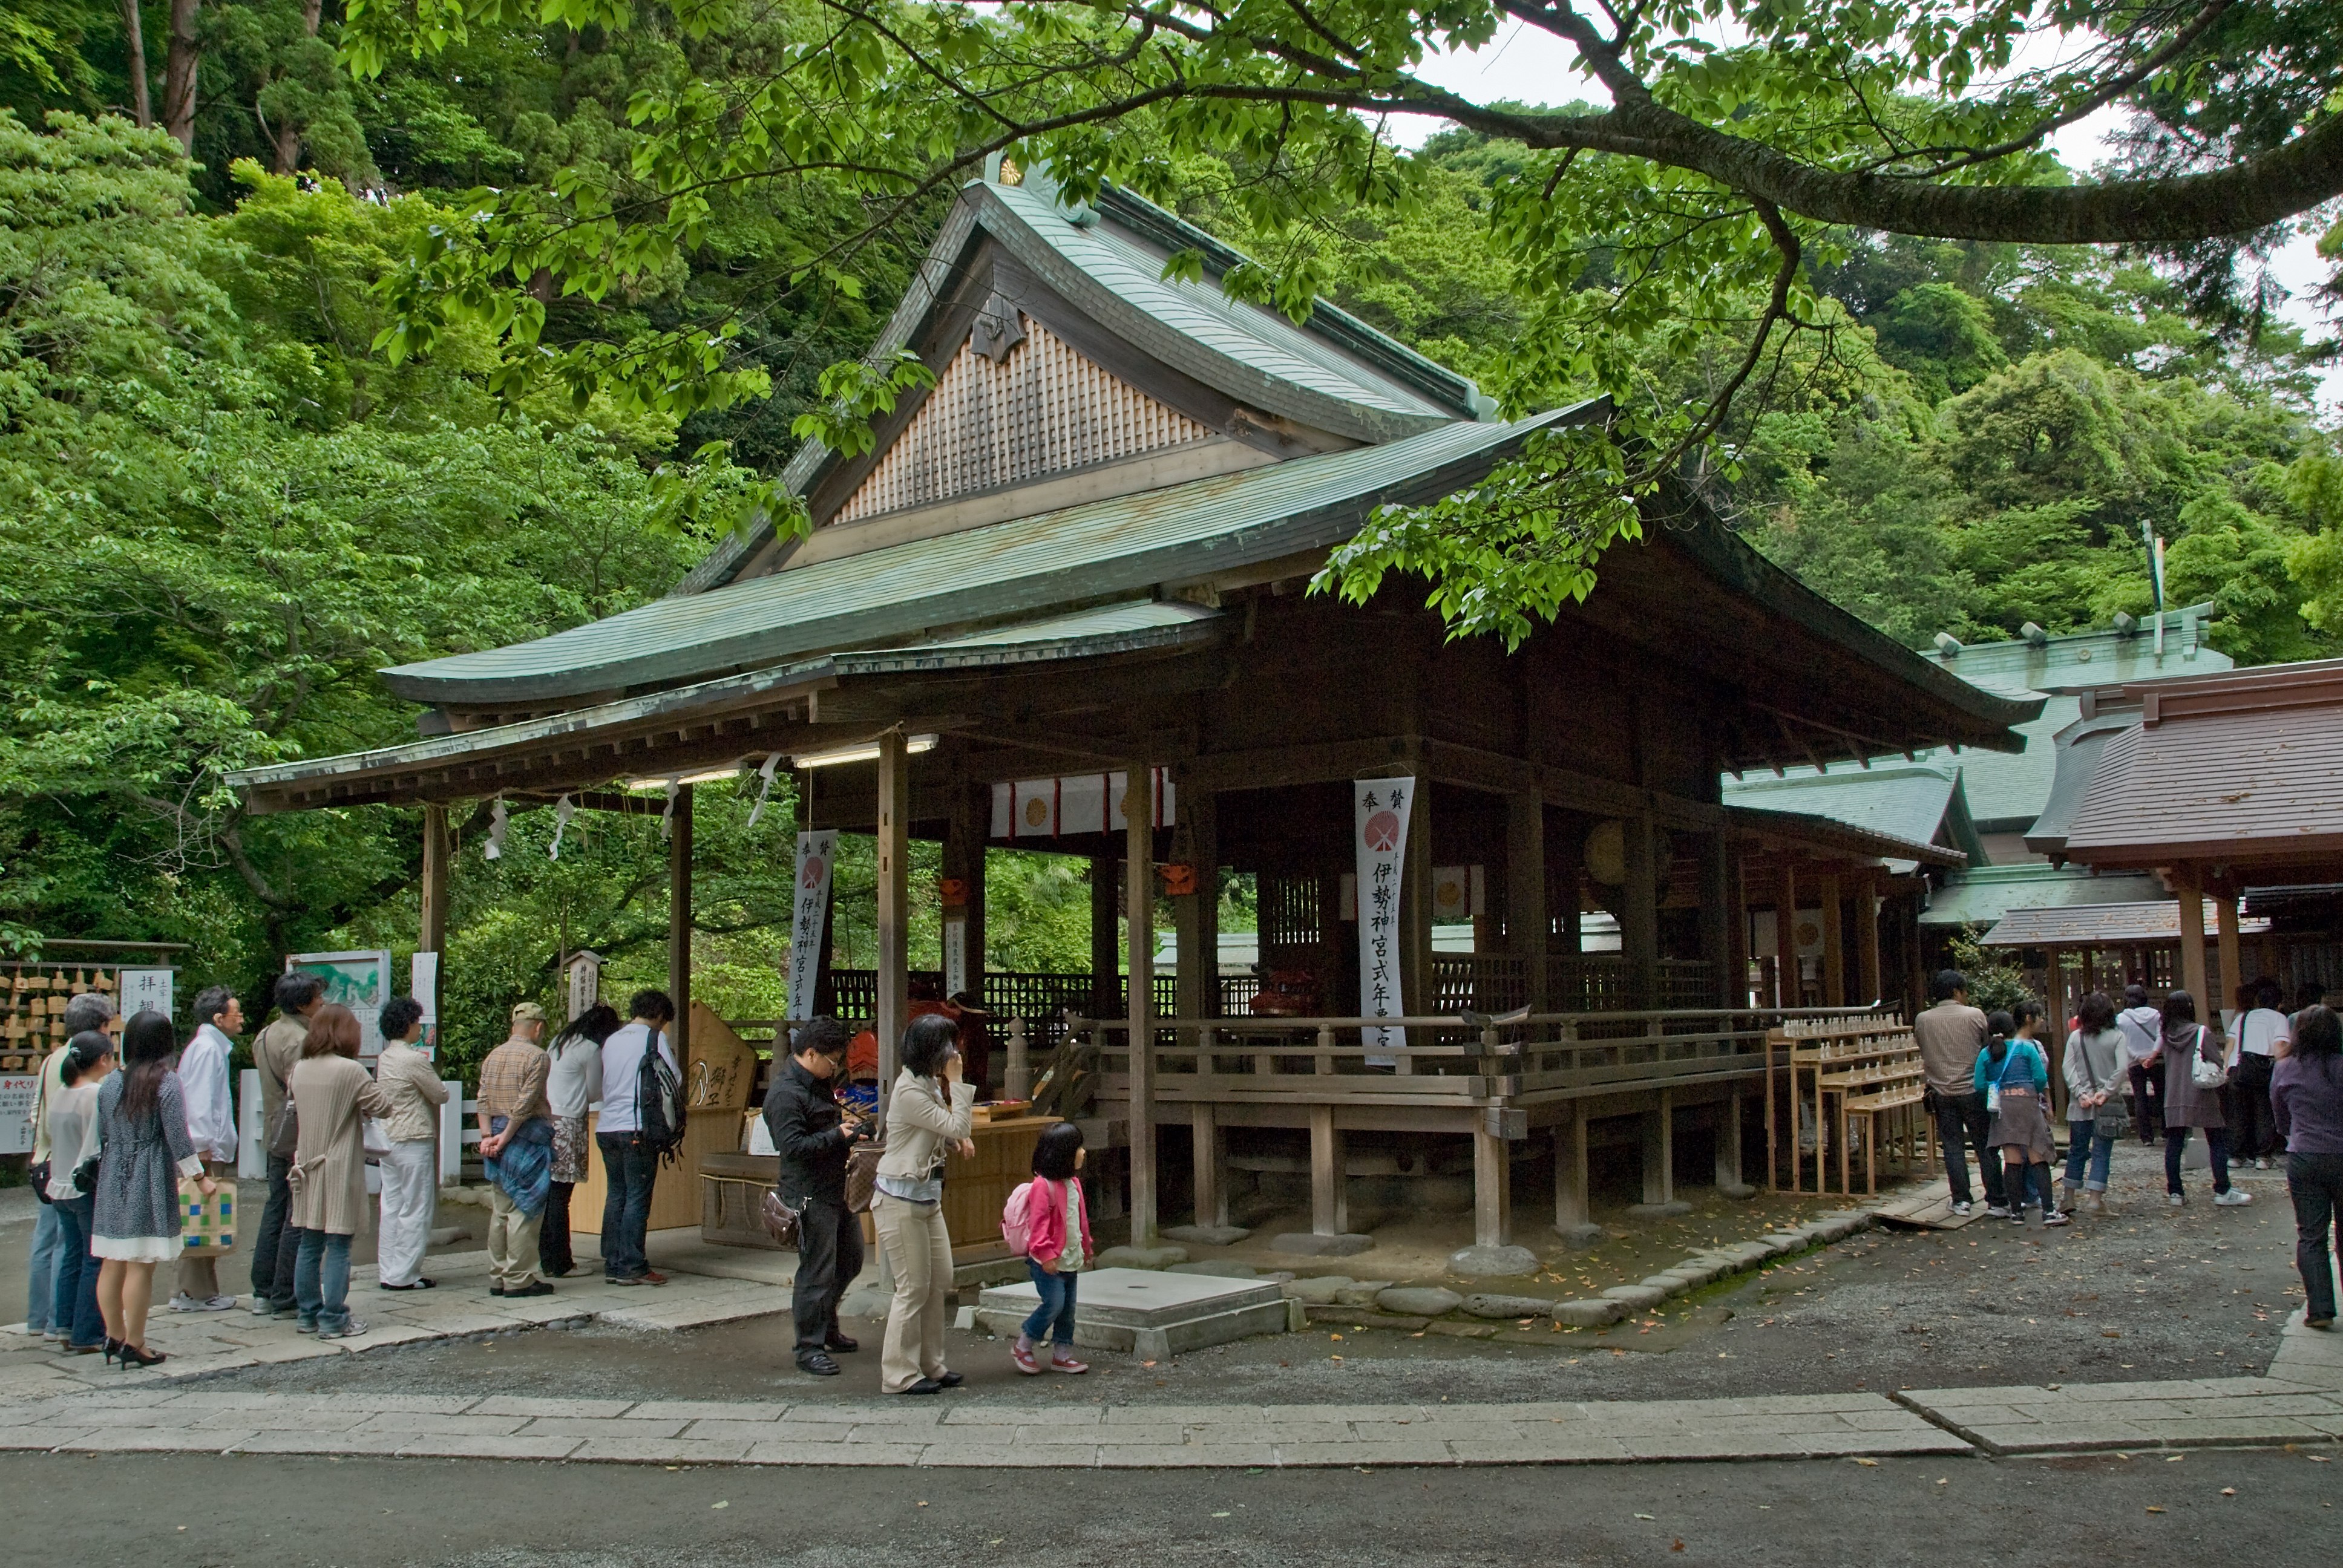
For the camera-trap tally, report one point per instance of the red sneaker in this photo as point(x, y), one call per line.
point(1061, 1360)
point(651, 1277)
point(1023, 1354)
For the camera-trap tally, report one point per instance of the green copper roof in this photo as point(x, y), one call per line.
point(1920, 803)
point(1121, 547)
point(1983, 894)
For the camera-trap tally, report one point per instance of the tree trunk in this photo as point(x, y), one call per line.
point(134, 42)
point(179, 73)
point(289, 136)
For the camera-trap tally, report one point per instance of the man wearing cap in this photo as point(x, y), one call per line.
point(512, 1097)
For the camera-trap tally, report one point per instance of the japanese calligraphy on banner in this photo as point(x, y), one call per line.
point(1380, 835)
point(1076, 803)
point(817, 853)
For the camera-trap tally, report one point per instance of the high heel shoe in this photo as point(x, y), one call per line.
point(137, 1356)
point(113, 1347)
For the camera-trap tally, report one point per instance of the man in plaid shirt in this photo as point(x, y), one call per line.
point(512, 1086)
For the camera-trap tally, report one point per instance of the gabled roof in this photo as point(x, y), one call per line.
point(2076, 750)
point(1106, 549)
point(2098, 926)
point(1918, 803)
point(1982, 894)
point(1331, 372)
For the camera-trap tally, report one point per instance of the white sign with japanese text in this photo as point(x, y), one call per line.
point(142, 990)
point(17, 1096)
point(816, 854)
point(1379, 834)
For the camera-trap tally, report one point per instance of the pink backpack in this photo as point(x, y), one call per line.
point(1017, 1220)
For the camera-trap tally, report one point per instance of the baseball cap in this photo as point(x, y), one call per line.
point(528, 1012)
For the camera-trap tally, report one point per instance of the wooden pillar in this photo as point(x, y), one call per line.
point(1416, 989)
point(1212, 1192)
point(1570, 1218)
point(1867, 936)
point(1639, 913)
point(1138, 889)
point(1718, 911)
point(2054, 982)
point(2232, 972)
point(894, 906)
point(1659, 1151)
point(1728, 1146)
point(1197, 915)
point(1785, 930)
point(963, 863)
point(1737, 947)
point(1834, 944)
point(1106, 928)
point(434, 936)
point(1493, 1197)
point(1330, 1207)
point(1527, 922)
point(678, 922)
point(2189, 887)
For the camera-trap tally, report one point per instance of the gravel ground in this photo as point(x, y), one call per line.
point(2151, 1292)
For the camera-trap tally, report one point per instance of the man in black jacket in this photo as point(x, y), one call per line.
point(813, 1134)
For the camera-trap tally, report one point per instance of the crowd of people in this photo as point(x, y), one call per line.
point(2272, 1078)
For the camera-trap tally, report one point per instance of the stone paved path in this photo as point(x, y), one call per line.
point(2301, 1401)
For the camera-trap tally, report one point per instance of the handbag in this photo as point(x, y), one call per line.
point(2203, 1074)
point(285, 1132)
point(862, 1173)
point(40, 1175)
point(781, 1221)
point(206, 1225)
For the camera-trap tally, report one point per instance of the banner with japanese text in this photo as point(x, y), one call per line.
point(816, 854)
point(1380, 832)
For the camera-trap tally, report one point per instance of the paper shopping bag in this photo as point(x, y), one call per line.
point(206, 1225)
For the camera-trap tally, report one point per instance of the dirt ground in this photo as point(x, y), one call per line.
point(2151, 1292)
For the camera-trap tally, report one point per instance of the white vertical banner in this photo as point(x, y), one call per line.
point(955, 954)
point(816, 854)
point(1380, 835)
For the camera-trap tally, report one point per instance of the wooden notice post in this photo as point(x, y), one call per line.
point(894, 906)
point(1139, 890)
point(679, 922)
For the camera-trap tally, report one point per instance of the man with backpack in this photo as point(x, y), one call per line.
point(641, 1124)
point(813, 1136)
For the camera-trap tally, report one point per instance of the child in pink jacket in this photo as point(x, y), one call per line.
point(1057, 1245)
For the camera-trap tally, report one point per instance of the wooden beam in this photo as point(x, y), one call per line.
point(1212, 1191)
point(434, 936)
point(1138, 889)
point(1199, 913)
point(1867, 936)
point(1786, 936)
point(1492, 1190)
point(1570, 1218)
point(1106, 927)
point(1719, 912)
point(1834, 945)
point(1330, 1206)
point(678, 922)
point(894, 905)
point(2189, 887)
point(1659, 1132)
point(2233, 975)
point(1639, 913)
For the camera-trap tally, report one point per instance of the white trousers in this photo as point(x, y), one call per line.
point(411, 1192)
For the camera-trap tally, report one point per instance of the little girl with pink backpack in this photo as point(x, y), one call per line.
point(1047, 1221)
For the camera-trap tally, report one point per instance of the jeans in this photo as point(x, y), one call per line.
point(554, 1258)
point(2083, 1143)
point(2256, 1124)
point(2216, 1142)
point(829, 1254)
point(627, 1173)
point(73, 1304)
point(2146, 1101)
point(1962, 1124)
point(321, 1279)
point(274, 1250)
point(43, 1287)
point(2315, 1181)
point(1055, 1315)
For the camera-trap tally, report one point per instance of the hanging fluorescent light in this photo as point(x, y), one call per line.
point(658, 783)
point(864, 753)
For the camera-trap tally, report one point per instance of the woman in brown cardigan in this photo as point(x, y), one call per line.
point(329, 1176)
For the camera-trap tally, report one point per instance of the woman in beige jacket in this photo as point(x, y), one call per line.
point(929, 1113)
point(331, 1093)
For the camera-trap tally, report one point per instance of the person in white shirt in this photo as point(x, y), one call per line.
point(2263, 1034)
point(572, 1084)
point(211, 1123)
point(630, 1169)
point(2143, 1032)
point(410, 1176)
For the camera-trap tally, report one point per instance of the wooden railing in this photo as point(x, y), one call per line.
point(1450, 1059)
point(1583, 982)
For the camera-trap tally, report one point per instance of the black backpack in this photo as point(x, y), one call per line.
point(659, 1105)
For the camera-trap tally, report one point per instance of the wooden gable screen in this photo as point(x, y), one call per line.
point(1039, 407)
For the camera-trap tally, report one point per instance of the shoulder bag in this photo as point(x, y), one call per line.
point(862, 1173)
point(285, 1131)
point(780, 1219)
point(2205, 1074)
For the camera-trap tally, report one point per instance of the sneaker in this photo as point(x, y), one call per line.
point(2324, 1324)
point(262, 1307)
point(2173, 1199)
point(1962, 1206)
point(305, 1327)
point(1063, 1359)
point(2262, 1164)
point(2233, 1198)
point(2017, 1216)
point(651, 1277)
point(1997, 1211)
point(1023, 1354)
point(351, 1328)
point(2056, 1217)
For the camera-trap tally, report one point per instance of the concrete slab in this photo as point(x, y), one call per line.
point(1148, 1313)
